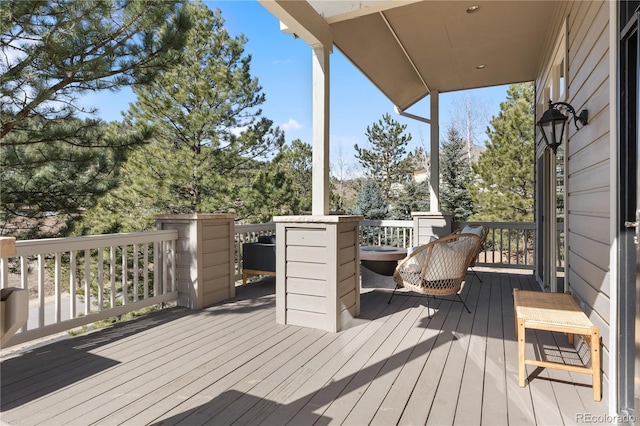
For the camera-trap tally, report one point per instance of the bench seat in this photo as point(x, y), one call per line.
point(556, 312)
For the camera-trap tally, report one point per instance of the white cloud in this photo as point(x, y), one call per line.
point(291, 125)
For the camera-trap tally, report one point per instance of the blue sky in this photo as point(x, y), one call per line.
point(282, 65)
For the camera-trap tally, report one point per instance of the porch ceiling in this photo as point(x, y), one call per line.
point(409, 48)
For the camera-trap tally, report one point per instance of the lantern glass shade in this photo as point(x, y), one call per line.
point(552, 125)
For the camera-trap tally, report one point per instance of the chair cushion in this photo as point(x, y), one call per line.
point(445, 263)
point(414, 264)
point(472, 230)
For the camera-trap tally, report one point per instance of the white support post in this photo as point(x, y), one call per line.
point(434, 174)
point(320, 174)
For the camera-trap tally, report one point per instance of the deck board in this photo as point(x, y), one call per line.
point(135, 371)
point(469, 408)
point(520, 406)
point(232, 364)
point(494, 403)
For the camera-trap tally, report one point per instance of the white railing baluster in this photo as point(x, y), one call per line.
point(4, 276)
point(173, 266)
point(57, 279)
point(100, 279)
point(125, 296)
point(24, 283)
point(72, 284)
point(112, 277)
point(145, 265)
point(87, 282)
point(135, 272)
point(24, 272)
point(165, 267)
point(41, 281)
point(156, 271)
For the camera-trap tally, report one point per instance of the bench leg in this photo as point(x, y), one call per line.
point(244, 278)
point(521, 347)
point(594, 344)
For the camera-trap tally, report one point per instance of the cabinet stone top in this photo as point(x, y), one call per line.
point(317, 219)
point(195, 216)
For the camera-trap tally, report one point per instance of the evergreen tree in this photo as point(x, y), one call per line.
point(414, 197)
point(370, 201)
point(55, 50)
point(455, 176)
point(504, 191)
point(297, 159)
point(210, 144)
point(51, 162)
point(273, 193)
point(49, 180)
point(386, 161)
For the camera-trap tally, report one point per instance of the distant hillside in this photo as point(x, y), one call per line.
point(476, 150)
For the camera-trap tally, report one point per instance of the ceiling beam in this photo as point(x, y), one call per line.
point(378, 7)
point(406, 54)
point(301, 20)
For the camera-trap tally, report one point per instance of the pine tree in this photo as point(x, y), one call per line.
point(297, 159)
point(386, 161)
point(370, 201)
point(504, 191)
point(210, 145)
point(455, 176)
point(53, 51)
point(414, 197)
point(49, 180)
point(51, 161)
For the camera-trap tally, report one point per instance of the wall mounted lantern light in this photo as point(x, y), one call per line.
point(553, 121)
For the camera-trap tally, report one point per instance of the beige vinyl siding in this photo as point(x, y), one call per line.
point(587, 167)
point(183, 263)
point(319, 275)
point(204, 257)
point(217, 240)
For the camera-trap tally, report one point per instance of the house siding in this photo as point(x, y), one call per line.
point(204, 257)
point(587, 162)
point(318, 273)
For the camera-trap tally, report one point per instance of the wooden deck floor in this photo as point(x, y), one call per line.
point(232, 364)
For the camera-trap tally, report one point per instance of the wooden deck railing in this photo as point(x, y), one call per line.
point(80, 280)
point(397, 233)
point(508, 245)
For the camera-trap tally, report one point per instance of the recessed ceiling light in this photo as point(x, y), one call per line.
point(481, 66)
point(473, 9)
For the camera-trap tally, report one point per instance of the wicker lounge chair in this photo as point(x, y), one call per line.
point(481, 231)
point(438, 268)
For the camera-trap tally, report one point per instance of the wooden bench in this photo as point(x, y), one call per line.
point(557, 312)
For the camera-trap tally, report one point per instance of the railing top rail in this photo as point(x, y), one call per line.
point(254, 227)
point(386, 222)
point(53, 245)
point(499, 225)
